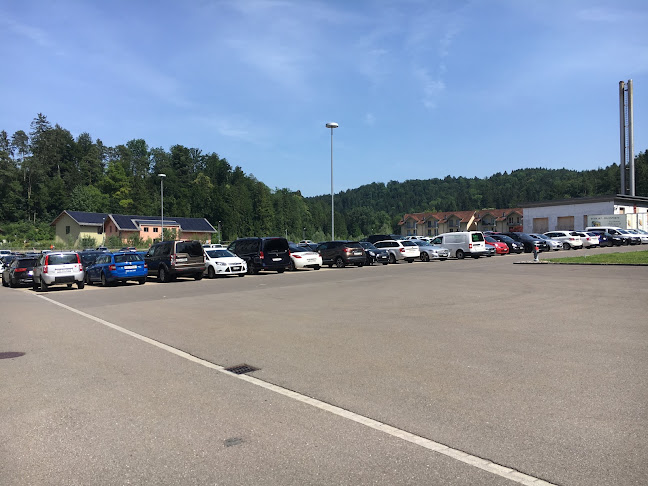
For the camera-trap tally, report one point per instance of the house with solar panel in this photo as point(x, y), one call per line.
point(74, 226)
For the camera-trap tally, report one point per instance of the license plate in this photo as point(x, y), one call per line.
point(311, 260)
point(276, 259)
point(357, 253)
point(130, 267)
point(236, 269)
point(181, 260)
point(63, 270)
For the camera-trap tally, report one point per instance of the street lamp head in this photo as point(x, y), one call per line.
point(162, 175)
point(331, 125)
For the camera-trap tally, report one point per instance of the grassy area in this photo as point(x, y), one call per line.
point(606, 258)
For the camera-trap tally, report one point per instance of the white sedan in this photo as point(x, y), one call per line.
point(303, 257)
point(220, 262)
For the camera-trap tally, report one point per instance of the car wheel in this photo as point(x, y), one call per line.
point(330, 265)
point(360, 265)
point(385, 263)
point(425, 257)
point(12, 283)
point(104, 281)
point(443, 259)
point(392, 258)
point(69, 286)
point(292, 265)
point(281, 270)
point(198, 276)
point(566, 246)
point(4, 282)
point(163, 275)
point(211, 273)
point(141, 281)
point(34, 285)
point(43, 286)
point(410, 260)
point(476, 256)
point(459, 254)
point(316, 267)
point(339, 262)
point(80, 285)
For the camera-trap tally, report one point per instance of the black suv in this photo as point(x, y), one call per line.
point(342, 253)
point(262, 253)
point(174, 258)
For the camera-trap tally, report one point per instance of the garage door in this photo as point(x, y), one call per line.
point(540, 225)
point(565, 223)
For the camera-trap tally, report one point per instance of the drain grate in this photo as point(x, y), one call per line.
point(11, 354)
point(241, 369)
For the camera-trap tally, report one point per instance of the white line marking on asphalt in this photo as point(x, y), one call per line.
point(461, 456)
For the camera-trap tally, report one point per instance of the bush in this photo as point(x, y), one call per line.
point(114, 242)
point(88, 242)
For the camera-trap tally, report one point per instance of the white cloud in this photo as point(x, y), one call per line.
point(432, 88)
point(370, 119)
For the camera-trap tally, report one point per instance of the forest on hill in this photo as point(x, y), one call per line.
point(46, 170)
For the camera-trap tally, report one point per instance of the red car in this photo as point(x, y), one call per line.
point(501, 248)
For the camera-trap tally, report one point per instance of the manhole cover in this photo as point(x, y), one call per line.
point(11, 354)
point(233, 441)
point(241, 369)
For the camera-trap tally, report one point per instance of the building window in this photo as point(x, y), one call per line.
point(155, 230)
point(145, 229)
point(100, 230)
point(429, 232)
point(67, 230)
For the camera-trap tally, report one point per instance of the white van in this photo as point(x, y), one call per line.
point(463, 243)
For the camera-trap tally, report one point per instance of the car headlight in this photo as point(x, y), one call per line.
point(371, 253)
point(221, 264)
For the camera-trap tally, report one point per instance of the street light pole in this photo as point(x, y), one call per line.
point(162, 176)
point(332, 125)
point(219, 232)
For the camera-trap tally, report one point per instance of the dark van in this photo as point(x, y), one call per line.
point(262, 253)
point(174, 258)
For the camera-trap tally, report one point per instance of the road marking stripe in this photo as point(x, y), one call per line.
point(461, 456)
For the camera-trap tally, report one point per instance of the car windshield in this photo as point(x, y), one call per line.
point(191, 248)
point(623, 232)
point(27, 262)
point(505, 239)
point(128, 257)
point(298, 249)
point(367, 246)
point(221, 253)
point(90, 258)
point(62, 259)
point(408, 243)
point(421, 243)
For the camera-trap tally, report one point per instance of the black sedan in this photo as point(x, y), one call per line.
point(375, 255)
point(19, 272)
point(528, 241)
point(513, 246)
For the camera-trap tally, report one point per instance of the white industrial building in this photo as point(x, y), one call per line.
point(578, 213)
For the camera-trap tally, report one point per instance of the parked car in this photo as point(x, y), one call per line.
point(374, 238)
point(342, 253)
point(553, 244)
point(528, 242)
point(463, 243)
point(101, 248)
point(627, 238)
point(58, 267)
point(303, 257)
point(374, 255)
point(513, 246)
point(400, 250)
point(120, 266)
point(570, 239)
point(88, 257)
point(221, 262)
point(501, 248)
point(170, 259)
point(606, 238)
point(308, 246)
point(642, 236)
point(19, 272)
point(5, 261)
point(589, 239)
point(429, 251)
point(212, 245)
point(270, 253)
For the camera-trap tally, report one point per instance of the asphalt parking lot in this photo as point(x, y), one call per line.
point(515, 374)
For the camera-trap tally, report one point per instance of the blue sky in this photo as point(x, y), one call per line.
point(420, 89)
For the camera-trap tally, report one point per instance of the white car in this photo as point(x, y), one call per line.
point(590, 240)
point(221, 262)
point(207, 246)
point(569, 239)
point(302, 257)
point(400, 250)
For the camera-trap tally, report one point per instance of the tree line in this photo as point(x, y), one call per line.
point(47, 170)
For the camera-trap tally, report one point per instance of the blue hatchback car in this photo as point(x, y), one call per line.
point(120, 266)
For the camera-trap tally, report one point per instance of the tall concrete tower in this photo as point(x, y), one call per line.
point(627, 139)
